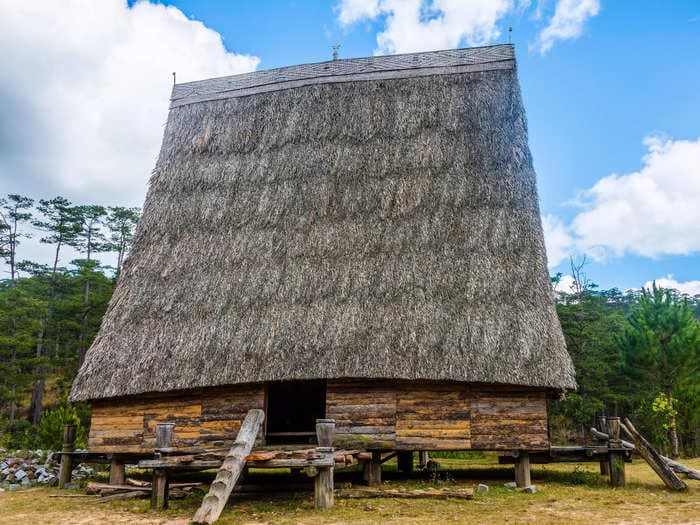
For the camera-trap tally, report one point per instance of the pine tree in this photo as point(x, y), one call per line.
point(661, 348)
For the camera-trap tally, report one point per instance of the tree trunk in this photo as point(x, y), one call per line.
point(672, 427)
point(13, 408)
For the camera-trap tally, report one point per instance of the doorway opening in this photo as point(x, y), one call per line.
point(292, 410)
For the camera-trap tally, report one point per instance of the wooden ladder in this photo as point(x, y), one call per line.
point(234, 462)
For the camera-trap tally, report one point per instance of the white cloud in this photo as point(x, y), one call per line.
point(565, 284)
point(687, 287)
point(557, 240)
point(84, 90)
point(422, 25)
point(567, 22)
point(651, 212)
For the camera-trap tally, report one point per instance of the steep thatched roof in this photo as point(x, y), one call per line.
point(371, 217)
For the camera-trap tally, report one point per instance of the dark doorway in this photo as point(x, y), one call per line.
point(292, 410)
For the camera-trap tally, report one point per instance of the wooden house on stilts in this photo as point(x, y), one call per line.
point(357, 240)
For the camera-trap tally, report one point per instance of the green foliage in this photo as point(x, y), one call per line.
point(49, 431)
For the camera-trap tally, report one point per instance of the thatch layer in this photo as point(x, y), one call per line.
point(379, 229)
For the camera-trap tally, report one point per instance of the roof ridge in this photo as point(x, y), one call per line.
point(501, 56)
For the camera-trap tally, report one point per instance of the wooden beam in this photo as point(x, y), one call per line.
point(220, 490)
point(654, 459)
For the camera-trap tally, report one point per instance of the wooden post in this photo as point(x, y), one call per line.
point(159, 486)
point(117, 472)
point(325, 430)
point(423, 458)
point(220, 490)
point(323, 488)
point(66, 459)
point(372, 470)
point(522, 469)
point(616, 459)
point(323, 484)
point(604, 465)
point(404, 459)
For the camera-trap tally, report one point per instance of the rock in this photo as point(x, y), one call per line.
point(510, 485)
point(20, 474)
point(482, 489)
point(26, 482)
point(530, 489)
point(14, 486)
point(3, 465)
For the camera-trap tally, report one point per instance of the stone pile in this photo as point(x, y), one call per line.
point(34, 467)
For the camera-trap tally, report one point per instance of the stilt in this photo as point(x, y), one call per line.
point(405, 461)
point(423, 458)
point(159, 494)
point(323, 488)
point(372, 470)
point(522, 469)
point(616, 461)
point(117, 472)
point(64, 472)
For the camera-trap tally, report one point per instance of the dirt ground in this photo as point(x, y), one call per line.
point(566, 493)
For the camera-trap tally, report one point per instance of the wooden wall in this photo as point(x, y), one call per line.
point(369, 414)
point(203, 418)
point(437, 416)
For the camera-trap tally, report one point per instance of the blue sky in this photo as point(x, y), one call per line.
point(611, 88)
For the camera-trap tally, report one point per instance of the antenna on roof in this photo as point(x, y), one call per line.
point(336, 46)
point(510, 34)
point(174, 74)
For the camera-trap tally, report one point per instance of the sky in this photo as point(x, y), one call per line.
point(611, 91)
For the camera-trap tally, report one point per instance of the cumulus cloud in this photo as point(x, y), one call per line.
point(688, 287)
point(423, 25)
point(567, 22)
point(651, 212)
point(84, 91)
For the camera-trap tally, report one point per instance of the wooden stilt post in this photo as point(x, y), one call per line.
point(159, 487)
point(372, 470)
point(616, 459)
point(405, 461)
point(423, 458)
point(66, 459)
point(117, 472)
point(604, 465)
point(522, 469)
point(323, 484)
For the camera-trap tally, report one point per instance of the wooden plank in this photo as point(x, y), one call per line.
point(652, 457)
point(220, 490)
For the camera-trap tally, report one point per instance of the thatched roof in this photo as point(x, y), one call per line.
point(372, 217)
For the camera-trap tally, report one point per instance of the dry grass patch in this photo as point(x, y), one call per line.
point(566, 494)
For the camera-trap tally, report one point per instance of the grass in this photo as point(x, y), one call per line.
point(567, 493)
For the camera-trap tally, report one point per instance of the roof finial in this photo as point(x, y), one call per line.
point(336, 46)
point(174, 75)
point(510, 33)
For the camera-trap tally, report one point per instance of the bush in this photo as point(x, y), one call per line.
point(49, 431)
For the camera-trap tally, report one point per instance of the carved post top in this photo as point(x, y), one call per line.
point(325, 430)
point(613, 424)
